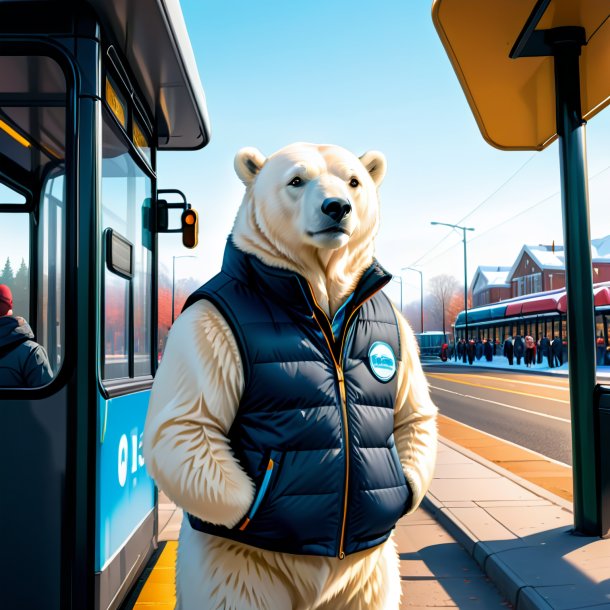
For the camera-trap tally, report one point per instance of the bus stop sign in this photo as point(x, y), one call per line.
point(513, 100)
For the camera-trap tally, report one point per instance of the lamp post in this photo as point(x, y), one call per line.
point(421, 294)
point(463, 229)
point(174, 278)
point(398, 278)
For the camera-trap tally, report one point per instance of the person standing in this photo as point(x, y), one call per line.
point(508, 349)
point(519, 348)
point(530, 351)
point(488, 350)
point(471, 350)
point(545, 350)
point(478, 348)
point(557, 349)
point(23, 362)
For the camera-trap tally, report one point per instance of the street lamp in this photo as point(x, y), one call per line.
point(463, 229)
point(398, 278)
point(174, 278)
point(421, 294)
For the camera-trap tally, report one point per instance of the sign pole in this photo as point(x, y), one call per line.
point(566, 45)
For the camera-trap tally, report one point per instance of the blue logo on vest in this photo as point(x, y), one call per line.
point(382, 361)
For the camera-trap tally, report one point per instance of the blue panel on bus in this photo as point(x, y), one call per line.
point(482, 314)
point(125, 491)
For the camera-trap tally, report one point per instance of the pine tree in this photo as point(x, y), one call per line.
point(21, 291)
point(7, 276)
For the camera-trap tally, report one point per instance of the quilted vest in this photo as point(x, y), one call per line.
point(314, 427)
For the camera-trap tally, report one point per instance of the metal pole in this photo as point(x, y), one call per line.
point(421, 299)
point(173, 281)
point(566, 44)
point(401, 294)
point(465, 287)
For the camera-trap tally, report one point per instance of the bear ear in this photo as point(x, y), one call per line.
point(375, 164)
point(248, 162)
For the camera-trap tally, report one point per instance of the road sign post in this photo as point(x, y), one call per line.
point(514, 98)
point(579, 278)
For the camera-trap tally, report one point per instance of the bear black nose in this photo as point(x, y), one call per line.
point(336, 208)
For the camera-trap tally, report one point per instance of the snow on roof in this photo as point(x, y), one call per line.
point(600, 249)
point(490, 277)
point(495, 276)
point(545, 257)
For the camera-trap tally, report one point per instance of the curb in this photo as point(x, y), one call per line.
point(564, 373)
point(518, 592)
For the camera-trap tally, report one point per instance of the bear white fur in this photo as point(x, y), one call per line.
point(199, 383)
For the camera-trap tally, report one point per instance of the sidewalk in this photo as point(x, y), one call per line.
point(519, 533)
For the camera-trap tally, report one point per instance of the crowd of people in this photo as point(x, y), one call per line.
point(515, 350)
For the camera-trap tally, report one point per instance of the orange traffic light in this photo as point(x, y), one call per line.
point(190, 228)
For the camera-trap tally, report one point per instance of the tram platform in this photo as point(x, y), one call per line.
point(484, 537)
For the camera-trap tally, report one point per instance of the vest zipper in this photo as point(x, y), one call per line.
point(342, 393)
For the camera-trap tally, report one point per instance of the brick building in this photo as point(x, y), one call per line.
point(536, 269)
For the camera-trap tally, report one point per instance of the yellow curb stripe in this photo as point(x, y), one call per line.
point(488, 387)
point(159, 591)
point(525, 463)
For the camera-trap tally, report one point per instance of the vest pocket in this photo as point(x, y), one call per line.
point(273, 464)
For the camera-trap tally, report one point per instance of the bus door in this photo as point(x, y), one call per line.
point(36, 206)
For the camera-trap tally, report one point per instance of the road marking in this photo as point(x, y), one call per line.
point(501, 404)
point(488, 387)
point(507, 380)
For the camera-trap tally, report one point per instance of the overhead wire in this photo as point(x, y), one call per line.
point(524, 211)
point(498, 189)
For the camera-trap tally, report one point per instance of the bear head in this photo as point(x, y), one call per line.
point(313, 209)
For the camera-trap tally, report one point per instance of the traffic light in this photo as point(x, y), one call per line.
point(190, 228)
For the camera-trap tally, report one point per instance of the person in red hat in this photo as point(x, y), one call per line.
point(23, 362)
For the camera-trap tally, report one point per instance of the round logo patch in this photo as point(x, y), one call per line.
point(382, 361)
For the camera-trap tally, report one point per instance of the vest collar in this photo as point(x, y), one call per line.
point(292, 288)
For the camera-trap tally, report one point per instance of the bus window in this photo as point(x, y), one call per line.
point(10, 196)
point(51, 264)
point(126, 196)
point(32, 213)
point(15, 260)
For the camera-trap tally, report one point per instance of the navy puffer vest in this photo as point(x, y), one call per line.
point(314, 428)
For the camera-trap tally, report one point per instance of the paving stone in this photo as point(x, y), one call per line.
point(528, 520)
point(464, 471)
point(473, 490)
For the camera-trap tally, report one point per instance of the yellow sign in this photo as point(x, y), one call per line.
point(513, 100)
point(118, 107)
point(139, 139)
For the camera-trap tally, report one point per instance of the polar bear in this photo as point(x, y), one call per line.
point(290, 417)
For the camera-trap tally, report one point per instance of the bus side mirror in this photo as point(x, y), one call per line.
point(190, 228)
point(189, 222)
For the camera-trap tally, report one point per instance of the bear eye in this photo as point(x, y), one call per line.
point(296, 181)
point(354, 182)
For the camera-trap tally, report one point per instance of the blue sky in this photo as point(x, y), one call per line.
point(370, 76)
point(367, 76)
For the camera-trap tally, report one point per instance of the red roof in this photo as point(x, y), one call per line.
point(547, 302)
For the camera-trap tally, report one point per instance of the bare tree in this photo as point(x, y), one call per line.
point(444, 291)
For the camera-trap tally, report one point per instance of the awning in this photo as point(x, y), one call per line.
point(513, 100)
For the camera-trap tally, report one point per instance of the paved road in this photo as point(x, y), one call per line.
point(527, 409)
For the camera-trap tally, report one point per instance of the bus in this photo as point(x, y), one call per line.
point(90, 92)
point(431, 342)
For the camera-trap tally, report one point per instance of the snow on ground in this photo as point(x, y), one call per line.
point(501, 362)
